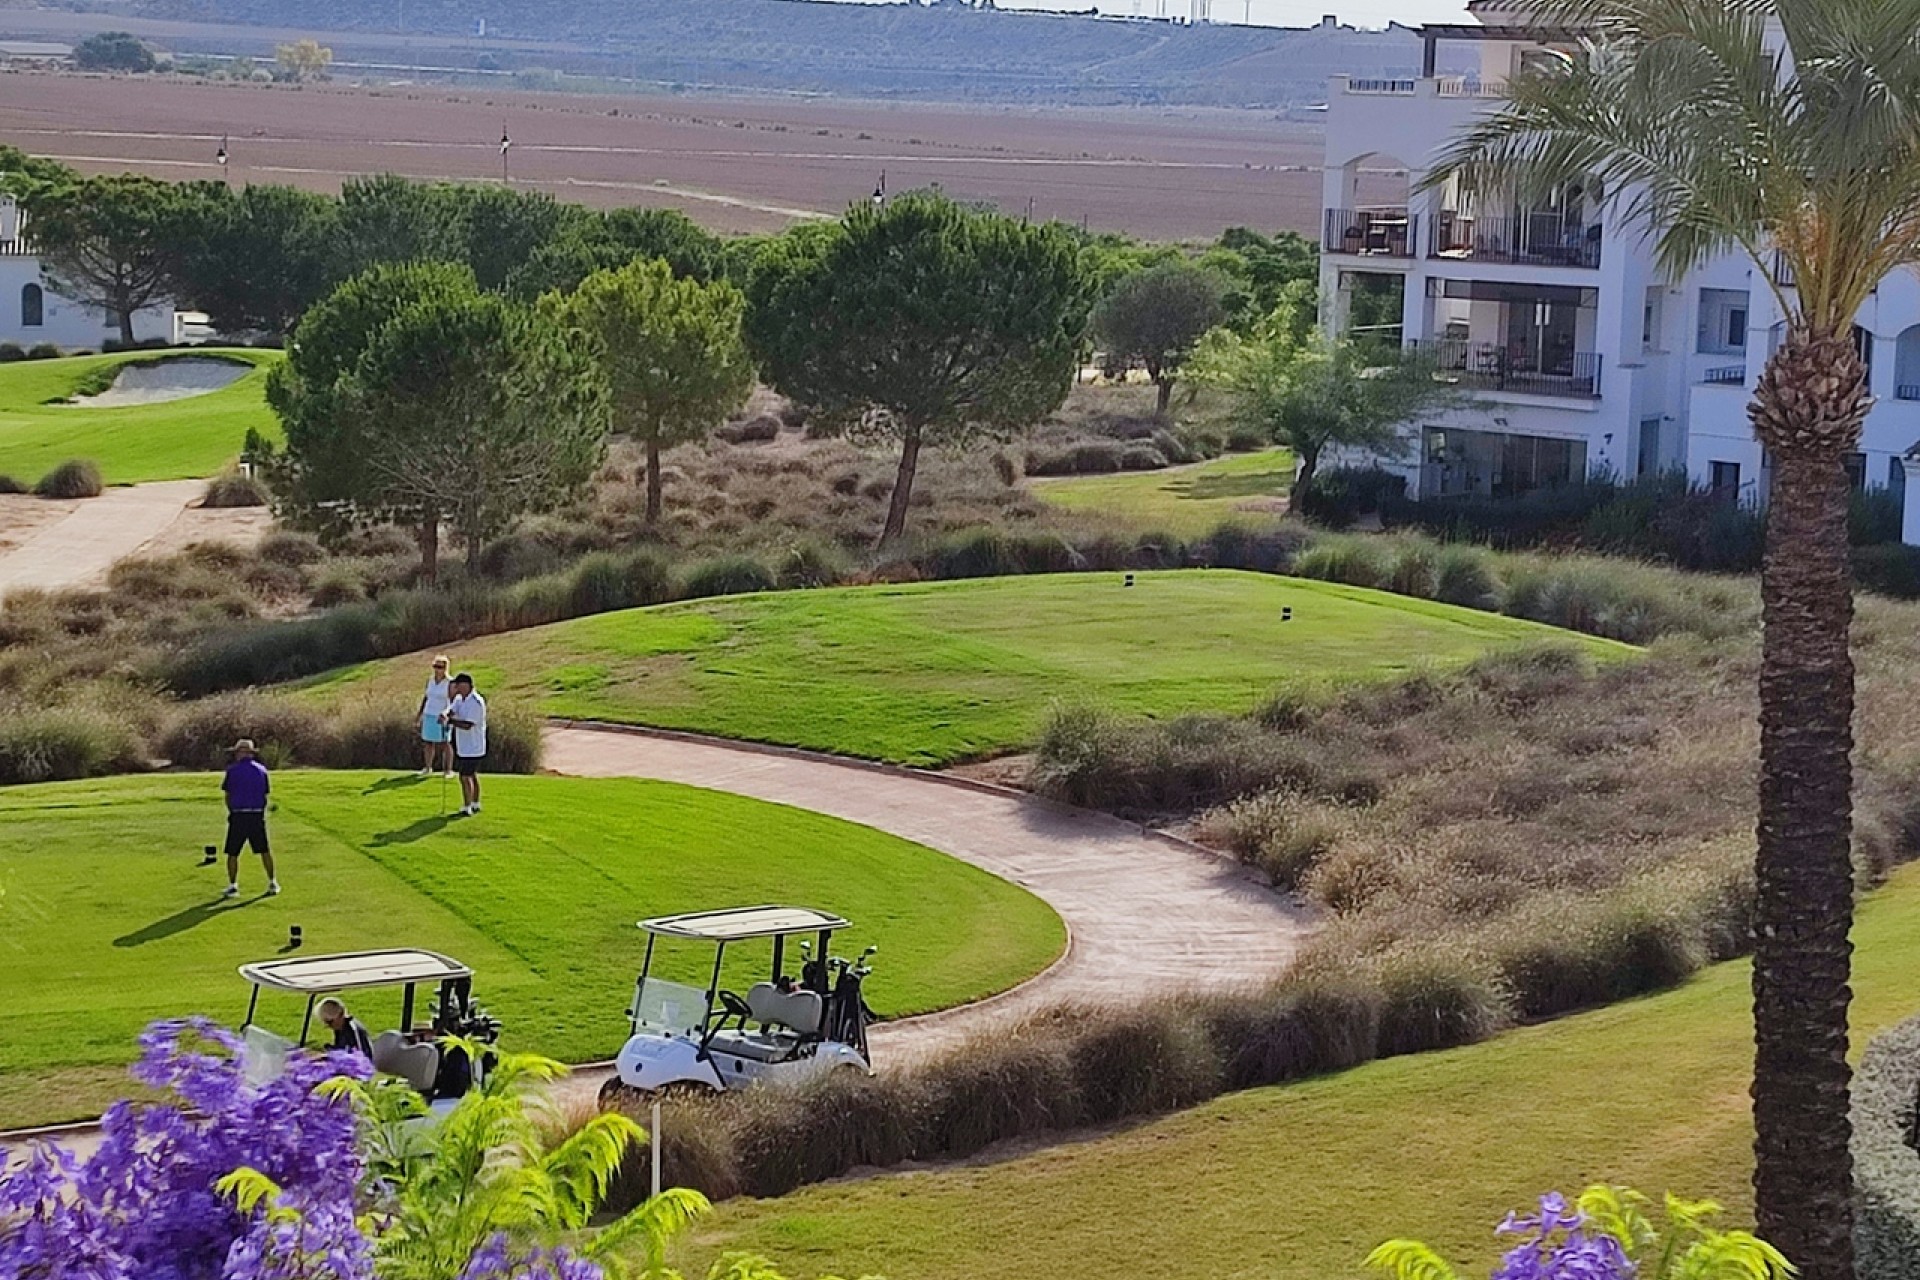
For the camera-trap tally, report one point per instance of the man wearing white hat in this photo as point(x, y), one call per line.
point(247, 785)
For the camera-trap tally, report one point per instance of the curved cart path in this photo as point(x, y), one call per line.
point(1146, 913)
point(77, 549)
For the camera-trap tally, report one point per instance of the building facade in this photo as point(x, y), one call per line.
point(32, 313)
point(1578, 353)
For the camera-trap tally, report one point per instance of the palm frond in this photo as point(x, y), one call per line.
point(249, 1189)
point(1410, 1260)
point(582, 1167)
point(655, 1223)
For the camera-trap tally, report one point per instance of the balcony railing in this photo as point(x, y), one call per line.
point(1907, 391)
point(1460, 87)
point(1490, 366)
point(1530, 239)
point(1379, 86)
point(1726, 375)
point(1380, 233)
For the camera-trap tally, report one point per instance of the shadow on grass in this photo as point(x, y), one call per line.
point(398, 783)
point(408, 834)
point(181, 921)
point(1258, 484)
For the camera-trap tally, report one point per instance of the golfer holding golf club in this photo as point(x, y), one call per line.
point(467, 716)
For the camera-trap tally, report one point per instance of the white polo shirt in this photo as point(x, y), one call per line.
point(472, 742)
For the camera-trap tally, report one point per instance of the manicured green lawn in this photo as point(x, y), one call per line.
point(107, 921)
point(173, 440)
point(1182, 500)
point(1299, 1182)
point(936, 672)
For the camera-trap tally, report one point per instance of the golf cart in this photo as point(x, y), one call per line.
point(412, 1052)
point(780, 1030)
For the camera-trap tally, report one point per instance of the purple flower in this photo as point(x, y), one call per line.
point(498, 1260)
point(1558, 1245)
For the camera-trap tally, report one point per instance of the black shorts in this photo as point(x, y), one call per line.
point(467, 766)
point(246, 829)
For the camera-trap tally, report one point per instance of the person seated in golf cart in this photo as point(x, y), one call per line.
point(417, 1054)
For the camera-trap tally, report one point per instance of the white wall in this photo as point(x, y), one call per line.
point(63, 322)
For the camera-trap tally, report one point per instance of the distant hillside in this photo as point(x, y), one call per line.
point(944, 51)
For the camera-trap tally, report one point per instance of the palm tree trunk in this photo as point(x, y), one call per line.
point(902, 486)
point(1807, 409)
point(653, 480)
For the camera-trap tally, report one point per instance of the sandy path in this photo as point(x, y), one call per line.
point(78, 544)
point(1147, 914)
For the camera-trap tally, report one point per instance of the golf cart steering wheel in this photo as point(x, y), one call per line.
point(735, 1006)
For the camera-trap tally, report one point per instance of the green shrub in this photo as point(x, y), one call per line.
point(1890, 569)
point(1088, 458)
point(374, 738)
point(1464, 576)
point(603, 582)
point(283, 546)
point(1141, 457)
point(514, 744)
point(1337, 497)
point(232, 489)
point(1886, 1156)
point(1262, 550)
point(10, 485)
point(1358, 562)
point(1137, 1061)
point(338, 585)
point(811, 562)
point(996, 1087)
point(1438, 997)
point(60, 743)
point(785, 1139)
point(44, 351)
point(991, 553)
point(1415, 571)
point(11, 351)
point(1874, 516)
point(726, 576)
point(77, 478)
point(754, 430)
point(201, 734)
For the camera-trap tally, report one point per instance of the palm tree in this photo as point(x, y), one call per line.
point(1756, 127)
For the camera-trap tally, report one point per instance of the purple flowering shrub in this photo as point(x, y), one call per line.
point(324, 1174)
point(1606, 1234)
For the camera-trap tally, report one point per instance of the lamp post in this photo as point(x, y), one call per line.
point(505, 143)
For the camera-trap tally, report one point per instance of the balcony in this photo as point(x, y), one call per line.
point(1371, 233)
point(1526, 239)
point(1726, 375)
point(1489, 366)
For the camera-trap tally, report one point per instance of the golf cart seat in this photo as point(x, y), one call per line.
point(798, 1011)
point(417, 1064)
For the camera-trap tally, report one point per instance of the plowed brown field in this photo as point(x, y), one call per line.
point(738, 165)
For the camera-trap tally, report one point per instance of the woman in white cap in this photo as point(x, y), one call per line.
point(435, 739)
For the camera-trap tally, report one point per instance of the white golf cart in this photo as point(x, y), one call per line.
point(412, 1051)
point(780, 1030)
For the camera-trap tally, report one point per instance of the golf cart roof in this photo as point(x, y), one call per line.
point(318, 975)
point(737, 923)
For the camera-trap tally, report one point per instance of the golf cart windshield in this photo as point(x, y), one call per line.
point(669, 1006)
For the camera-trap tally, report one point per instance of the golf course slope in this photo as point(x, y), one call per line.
point(177, 439)
point(1186, 500)
point(108, 920)
point(1298, 1182)
point(934, 672)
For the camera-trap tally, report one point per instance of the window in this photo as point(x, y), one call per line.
point(1723, 322)
point(1857, 470)
point(1724, 477)
point(33, 305)
point(1896, 477)
point(1650, 319)
point(1649, 460)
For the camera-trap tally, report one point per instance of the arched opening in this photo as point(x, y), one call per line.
point(1370, 214)
point(1906, 364)
point(32, 306)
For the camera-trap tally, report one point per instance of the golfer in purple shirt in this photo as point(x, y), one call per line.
point(246, 785)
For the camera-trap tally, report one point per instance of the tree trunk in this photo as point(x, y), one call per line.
point(1807, 409)
point(126, 325)
point(653, 481)
point(1309, 463)
point(902, 486)
point(1166, 395)
point(430, 546)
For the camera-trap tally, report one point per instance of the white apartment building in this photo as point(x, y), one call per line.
point(1579, 354)
point(31, 312)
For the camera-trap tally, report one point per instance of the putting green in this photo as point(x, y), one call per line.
point(107, 921)
point(942, 671)
point(171, 440)
point(1185, 500)
point(1298, 1182)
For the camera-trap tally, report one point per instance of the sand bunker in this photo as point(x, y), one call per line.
point(165, 380)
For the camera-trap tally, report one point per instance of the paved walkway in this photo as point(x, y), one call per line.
point(1147, 914)
point(81, 547)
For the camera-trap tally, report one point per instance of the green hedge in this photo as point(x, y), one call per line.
point(1886, 1165)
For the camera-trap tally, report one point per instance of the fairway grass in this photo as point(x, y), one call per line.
point(107, 921)
point(1298, 1182)
point(1187, 500)
point(173, 440)
point(936, 672)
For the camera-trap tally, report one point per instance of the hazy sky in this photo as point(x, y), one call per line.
point(1279, 13)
